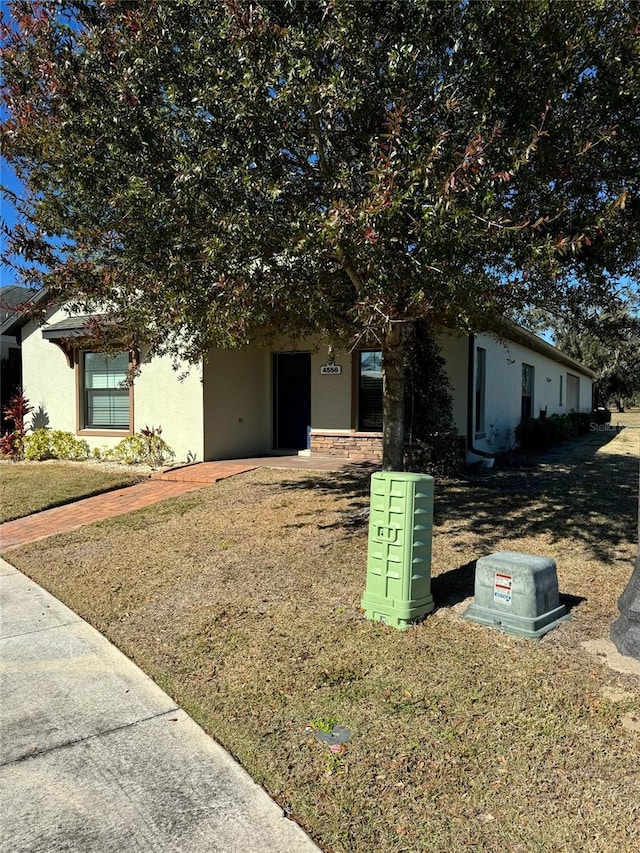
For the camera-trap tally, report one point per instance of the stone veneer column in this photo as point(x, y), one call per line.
point(360, 447)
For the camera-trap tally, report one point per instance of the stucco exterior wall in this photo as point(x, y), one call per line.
point(159, 399)
point(331, 395)
point(504, 362)
point(48, 381)
point(238, 396)
point(454, 348)
point(503, 386)
point(172, 399)
point(237, 409)
point(224, 409)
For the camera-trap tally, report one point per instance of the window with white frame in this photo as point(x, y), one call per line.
point(105, 394)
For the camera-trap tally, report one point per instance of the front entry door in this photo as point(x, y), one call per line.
point(292, 399)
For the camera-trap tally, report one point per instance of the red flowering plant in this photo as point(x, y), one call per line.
point(12, 441)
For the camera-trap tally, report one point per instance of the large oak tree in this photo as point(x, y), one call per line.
point(609, 343)
point(213, 169)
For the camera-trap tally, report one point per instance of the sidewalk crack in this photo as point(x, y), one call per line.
point(77, 621)
point(39, 752)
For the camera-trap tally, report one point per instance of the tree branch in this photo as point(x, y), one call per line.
point(317, 132)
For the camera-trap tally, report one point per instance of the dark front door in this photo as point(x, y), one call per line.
point(292, 399)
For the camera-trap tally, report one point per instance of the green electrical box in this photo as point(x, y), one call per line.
point(398, 590)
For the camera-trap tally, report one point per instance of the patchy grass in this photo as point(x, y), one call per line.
point(28, 487)
point(242, 601)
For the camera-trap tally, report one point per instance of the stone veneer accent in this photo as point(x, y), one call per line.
point(347, 444)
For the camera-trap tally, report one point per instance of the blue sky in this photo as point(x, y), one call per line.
point(8, 214)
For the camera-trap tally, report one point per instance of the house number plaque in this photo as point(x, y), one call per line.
point(331, 369)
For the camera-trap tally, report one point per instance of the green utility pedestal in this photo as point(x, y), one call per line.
point(398, 590)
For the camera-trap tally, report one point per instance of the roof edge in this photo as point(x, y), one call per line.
point(19, 318)
point(521, 335)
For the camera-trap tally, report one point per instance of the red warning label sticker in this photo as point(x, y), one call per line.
point(502, 585)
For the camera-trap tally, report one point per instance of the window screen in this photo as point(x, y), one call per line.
point(370, 391)
point(106, 395)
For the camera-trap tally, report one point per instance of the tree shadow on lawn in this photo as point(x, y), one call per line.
point(350, 484)
point(570, 493)
point(584, 496)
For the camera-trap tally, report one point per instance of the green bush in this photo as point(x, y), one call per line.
point(65, 445)
point(37, 446)
point(580, 423)
point(55, 444)
point(561, 428)
point(536, 435)
point(138, 449)
point(130, 451)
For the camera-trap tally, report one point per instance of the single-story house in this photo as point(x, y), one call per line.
point(253, 401)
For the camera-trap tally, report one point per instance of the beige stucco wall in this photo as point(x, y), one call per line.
point(172, 399)
point(331, 395)
point(49, 383)
point(159, 398)
point(238, 396)
point(224, 409)
point(454, 348)
point(237, 408)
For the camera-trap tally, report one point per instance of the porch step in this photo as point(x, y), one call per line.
point(205, 472)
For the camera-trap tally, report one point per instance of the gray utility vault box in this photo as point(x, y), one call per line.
point(399, 562)
point(517, 593)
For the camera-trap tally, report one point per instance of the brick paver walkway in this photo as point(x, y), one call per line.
point(167, 484)
point(61, 519)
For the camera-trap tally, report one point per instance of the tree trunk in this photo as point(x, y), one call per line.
point(393, 397)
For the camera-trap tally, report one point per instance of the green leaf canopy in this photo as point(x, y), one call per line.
point(214, 168)
point(210, 170)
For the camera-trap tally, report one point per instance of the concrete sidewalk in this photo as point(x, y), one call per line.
point(95, 757)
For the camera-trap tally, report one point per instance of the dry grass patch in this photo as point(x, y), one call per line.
point(28, 487)
point(242, 600)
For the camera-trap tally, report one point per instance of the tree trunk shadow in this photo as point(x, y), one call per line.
point(454, 586)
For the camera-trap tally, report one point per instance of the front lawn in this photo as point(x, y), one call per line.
point(242, 601)
point(28, 487)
